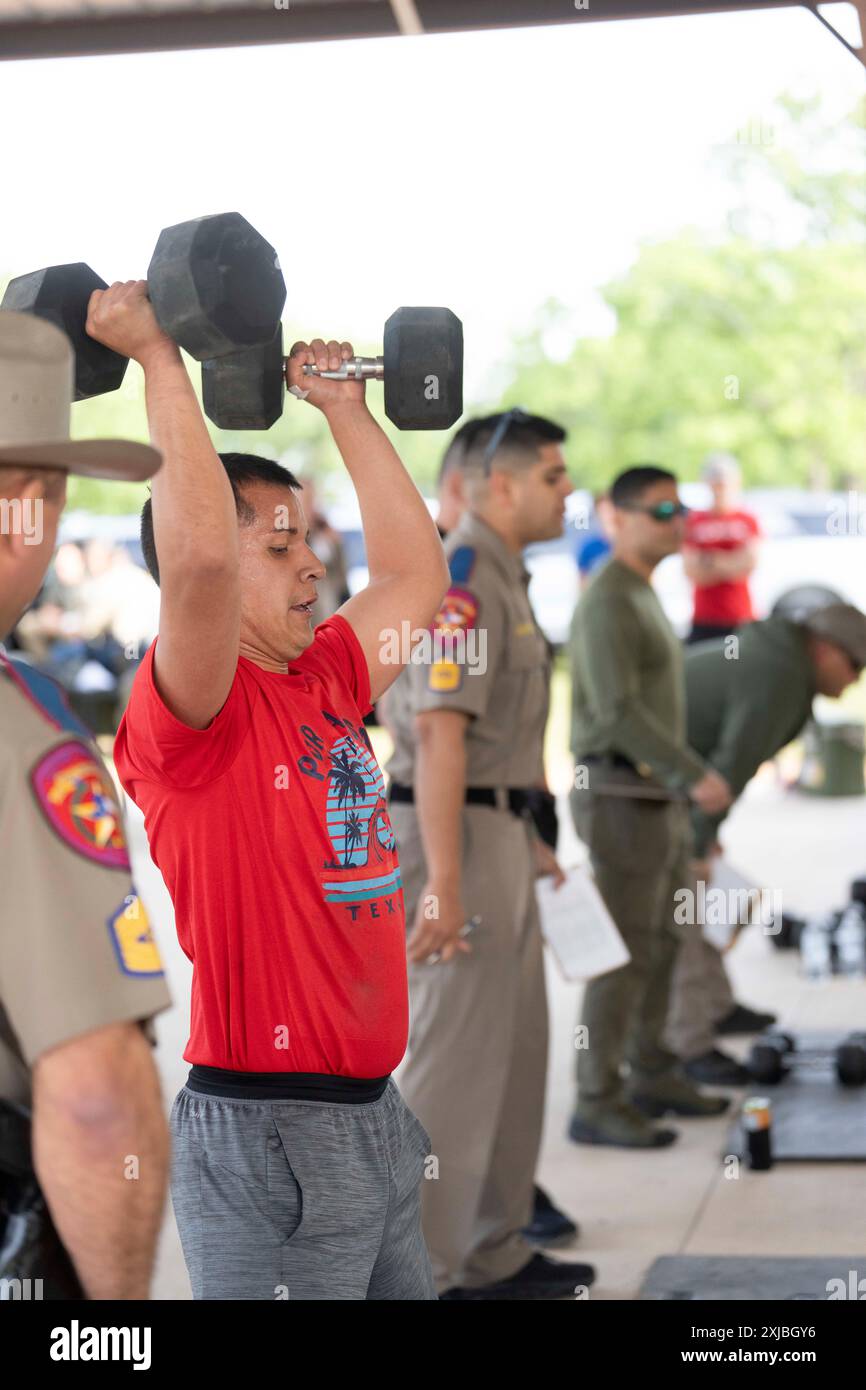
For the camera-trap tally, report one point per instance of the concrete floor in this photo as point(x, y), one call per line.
point(635, 1207)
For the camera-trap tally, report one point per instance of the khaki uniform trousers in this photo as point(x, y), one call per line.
point(476, 1066)
point(701, 997)
point(640, 852)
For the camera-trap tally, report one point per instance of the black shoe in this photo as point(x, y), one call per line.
point(549, 1226)
point(742, 1019)
point(716, 1068)
point(541, 1278)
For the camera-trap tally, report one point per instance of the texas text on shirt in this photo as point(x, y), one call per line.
point(271, 830)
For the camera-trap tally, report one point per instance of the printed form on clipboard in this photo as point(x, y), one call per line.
point(577, 926)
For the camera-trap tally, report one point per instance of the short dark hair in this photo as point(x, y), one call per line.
point(241, 468)
point(630, 486)
point(525, 435)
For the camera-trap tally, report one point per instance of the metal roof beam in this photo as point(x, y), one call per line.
point(27, 35)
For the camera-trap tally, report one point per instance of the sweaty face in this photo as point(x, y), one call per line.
point(278, 572)
point(540, 493)
point(641, 533)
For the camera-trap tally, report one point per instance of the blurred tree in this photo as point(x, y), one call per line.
point(754, 342)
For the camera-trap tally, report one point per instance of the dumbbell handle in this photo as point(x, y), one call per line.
point(355, 369)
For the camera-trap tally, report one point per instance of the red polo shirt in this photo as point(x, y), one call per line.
point(272, 833)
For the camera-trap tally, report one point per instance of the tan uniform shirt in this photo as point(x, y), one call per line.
point(76, 949)
point(503, 682)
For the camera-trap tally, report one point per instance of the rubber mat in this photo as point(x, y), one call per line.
point(753, 1278)
point(815, 1118)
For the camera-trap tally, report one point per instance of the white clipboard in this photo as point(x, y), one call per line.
point(577, 926)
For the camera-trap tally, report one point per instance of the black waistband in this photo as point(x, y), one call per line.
point(516, 797)
point(612, 759)
point(287, 1085)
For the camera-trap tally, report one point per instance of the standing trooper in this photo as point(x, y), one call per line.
point(468, 728)
point(634, 770)
point(80, 973)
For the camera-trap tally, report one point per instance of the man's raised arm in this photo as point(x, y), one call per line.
point(408, 572)
point(194, 520)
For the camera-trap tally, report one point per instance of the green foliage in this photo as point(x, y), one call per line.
point(747, 344)
point(735, 347)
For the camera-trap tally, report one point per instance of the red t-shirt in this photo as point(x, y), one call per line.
point(730, 602)
point(272, 833)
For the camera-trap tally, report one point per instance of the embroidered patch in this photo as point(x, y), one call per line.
point(459, 610)
point(80, 804)
point(444, 676)
point(133, 940)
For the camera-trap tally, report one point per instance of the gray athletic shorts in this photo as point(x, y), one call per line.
point(287, 1199)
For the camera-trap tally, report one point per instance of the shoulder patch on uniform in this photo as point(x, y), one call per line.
point(133, 940)
point(459, 609)
point(462, 563)
point(457, 614)
point(75, 795)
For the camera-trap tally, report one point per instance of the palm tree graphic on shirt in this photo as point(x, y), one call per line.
point(358, 824)
point(347, 775)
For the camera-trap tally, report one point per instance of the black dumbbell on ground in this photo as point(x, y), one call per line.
point(421, 367)
point(215, 284)
point(774, 1055)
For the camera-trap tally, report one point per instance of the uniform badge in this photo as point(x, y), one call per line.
point(459, 610)
point(75, 795)
point(455, 617)
point(133, 940)
point(444, 676)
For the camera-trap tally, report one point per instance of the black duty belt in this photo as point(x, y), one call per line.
point(513, 799)
point(286, 1085)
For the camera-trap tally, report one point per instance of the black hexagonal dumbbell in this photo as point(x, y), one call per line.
point(770, 1057)
point(215, 284)
point(774, 1055)
point(421, 367)
point(851, 1060)
point(61, 294)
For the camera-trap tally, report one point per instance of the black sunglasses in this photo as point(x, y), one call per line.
point(662, 511)
point(511, 417)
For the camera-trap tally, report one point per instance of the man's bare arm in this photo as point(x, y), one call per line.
point(440, 787)
point(195, 525)
point(97, 1110)
point(408, 572)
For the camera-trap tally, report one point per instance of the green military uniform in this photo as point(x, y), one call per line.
point(629, 736)
point(477, 1057)
point(744, 704)
point(76, 949)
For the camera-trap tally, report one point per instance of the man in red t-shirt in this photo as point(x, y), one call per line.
point(296, 1162)
point(719, 554)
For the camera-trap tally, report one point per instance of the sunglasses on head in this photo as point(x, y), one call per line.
point(662, 511)
point(516, 416)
